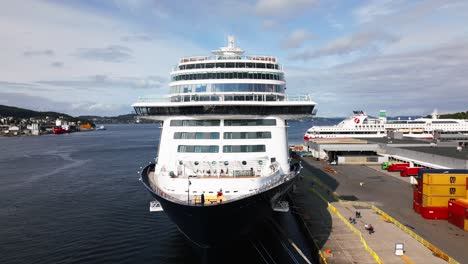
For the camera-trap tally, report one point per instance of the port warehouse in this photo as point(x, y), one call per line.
point(440, 191)
point(421, 153)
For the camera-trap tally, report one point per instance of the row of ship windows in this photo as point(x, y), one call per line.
point(228, 109)
point(228, 87)
point(215, 148)
point(226, 135)
point(227, 122)
point(229, 65)
point(229, 75)
point(364, 132)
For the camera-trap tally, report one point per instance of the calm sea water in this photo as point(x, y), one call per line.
point(76, 198)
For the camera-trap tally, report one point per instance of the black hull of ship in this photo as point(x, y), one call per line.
point(218, 225)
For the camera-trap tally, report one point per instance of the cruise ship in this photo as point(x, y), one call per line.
point(359, 125)
point(223, 162)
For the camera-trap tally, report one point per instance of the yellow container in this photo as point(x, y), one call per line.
point(444, 190)
point(466, 225)
point(436, 201)
point(444, 178)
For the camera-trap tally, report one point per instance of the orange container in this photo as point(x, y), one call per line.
point(436, 201)
point(445, 179)
point(444, 190)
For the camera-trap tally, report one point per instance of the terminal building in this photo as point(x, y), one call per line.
point(422, 153)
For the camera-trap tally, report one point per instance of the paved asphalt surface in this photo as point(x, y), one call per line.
point(395, 197)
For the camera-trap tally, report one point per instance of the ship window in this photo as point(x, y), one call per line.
point(196, 135)
point(250, 122)
point(246, 135)
point(243, 148)
point(229, 65)
point(249, 65)
point(210, 65)
point(195, 122)
point(198, 149)
point(261, 65)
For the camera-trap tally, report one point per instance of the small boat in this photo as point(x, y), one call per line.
point(60, 130)
point(101, 128)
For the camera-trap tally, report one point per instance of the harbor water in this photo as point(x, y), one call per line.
point(76, 198)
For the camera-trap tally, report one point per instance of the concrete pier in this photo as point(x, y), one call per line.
point(326, 217)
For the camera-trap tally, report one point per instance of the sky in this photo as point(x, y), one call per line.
point(95, 57)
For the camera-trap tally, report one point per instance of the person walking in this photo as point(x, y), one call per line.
point(202, 198)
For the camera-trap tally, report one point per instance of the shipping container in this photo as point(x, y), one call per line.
point(447, 171)
point(420, 184)
point(444, 190)
point(410, 171)
point(445, 179)
point(417, 207)
point(386, 164)
point(459, 207)
point(434, 213)
point(417, 196)
point(398, 166)
point(456, 220)
point(436, 201)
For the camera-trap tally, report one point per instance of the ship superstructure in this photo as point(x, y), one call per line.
point(359, 125)
point(223, 135)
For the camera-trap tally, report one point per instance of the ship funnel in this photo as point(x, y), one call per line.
point(434, 114)
point(383, 116)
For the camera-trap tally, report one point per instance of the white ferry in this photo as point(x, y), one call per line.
point(359, 125)
point(223, 161)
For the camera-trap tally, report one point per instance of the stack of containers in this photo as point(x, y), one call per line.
point(458, 213)
point(438, 188)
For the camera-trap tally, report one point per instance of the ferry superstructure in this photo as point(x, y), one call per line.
point(223, 135)
point(359, 125)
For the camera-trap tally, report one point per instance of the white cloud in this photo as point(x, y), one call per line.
point(375, 9)
point(296, 39)
point(362, 41)
point(411, 83)
point(30, 36)
point(111, 53)
point(277, 8)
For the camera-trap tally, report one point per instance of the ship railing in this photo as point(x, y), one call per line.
point(214, 97)
point(274, 181)
point(256, 58)
point(220, 169)
point(276, 178)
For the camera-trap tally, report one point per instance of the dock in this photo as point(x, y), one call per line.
point(327, 199)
